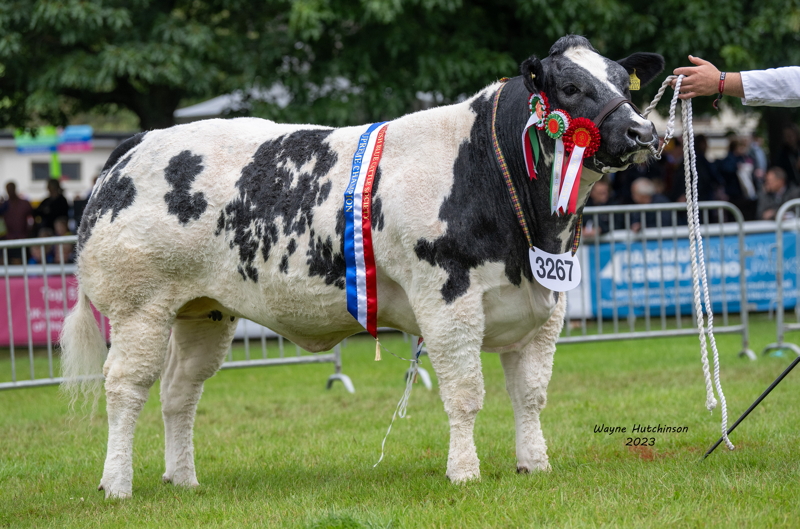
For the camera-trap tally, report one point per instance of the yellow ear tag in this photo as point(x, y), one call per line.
point(636, 83)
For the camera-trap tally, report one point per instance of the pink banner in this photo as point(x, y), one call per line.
point(38, 313)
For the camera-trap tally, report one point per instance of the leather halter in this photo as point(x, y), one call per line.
point(610, 107)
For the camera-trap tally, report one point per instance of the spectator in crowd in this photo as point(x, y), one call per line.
point(708, 182)
point(775, 192)
point(18, 216)
point(35, 255)
point(643, 191)
point(600, 195)
point(65, 251)
point(736, 173)
point(789, 157)
point(759, 159)
point(672, 164)
point(624, 179)
point(52, 207)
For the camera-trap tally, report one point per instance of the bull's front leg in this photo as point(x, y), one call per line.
point(453, 335)
point(527, 376)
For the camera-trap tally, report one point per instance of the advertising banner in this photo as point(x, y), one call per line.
point(37, 312)
point(636, 274)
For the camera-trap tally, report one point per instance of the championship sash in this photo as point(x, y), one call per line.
point(361, 275)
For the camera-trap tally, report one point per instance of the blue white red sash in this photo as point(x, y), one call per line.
point(361, 275)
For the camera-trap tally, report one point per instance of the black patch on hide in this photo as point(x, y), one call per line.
point(181, 171)
point(284, 266)
point(377, 204)
point(121, 150)
point(481, 224)
point(114, 191)
point(276, 196)
point(323, 262)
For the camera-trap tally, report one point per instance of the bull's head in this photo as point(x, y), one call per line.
point(581, 81)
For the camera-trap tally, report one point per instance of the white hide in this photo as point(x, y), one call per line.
point(151, 275)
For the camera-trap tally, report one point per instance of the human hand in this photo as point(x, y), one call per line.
point(700, 80)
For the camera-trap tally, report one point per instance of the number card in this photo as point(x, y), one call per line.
point(557, 272)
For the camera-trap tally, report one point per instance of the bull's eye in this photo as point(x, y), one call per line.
point(570, 90)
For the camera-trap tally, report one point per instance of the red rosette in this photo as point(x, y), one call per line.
point(582, 132)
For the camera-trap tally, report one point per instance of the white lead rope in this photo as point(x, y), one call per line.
point(699, 276)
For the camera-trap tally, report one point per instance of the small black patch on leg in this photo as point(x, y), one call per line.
point(232, 318)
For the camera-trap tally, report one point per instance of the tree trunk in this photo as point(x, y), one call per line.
point(776, 119)
point(156, 107)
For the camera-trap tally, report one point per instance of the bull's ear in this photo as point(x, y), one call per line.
point(647, 65)
point(532, 74)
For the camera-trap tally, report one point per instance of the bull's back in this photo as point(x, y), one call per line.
point(219, 207)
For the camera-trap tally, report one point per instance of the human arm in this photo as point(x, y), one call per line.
point(776, 87)
point(703, 80)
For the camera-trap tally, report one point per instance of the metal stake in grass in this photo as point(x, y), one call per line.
point(756, 403)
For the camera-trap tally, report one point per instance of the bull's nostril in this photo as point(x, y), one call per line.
point(641, 135)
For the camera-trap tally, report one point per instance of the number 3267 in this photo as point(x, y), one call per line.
point(550, 268)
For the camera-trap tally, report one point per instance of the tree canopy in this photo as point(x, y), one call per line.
point(61, 57)
point(343, 62)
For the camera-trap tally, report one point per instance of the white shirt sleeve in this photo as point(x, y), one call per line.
point(776, 87)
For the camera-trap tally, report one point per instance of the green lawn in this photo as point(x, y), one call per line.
point(275, 449)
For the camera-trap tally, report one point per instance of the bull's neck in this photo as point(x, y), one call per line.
point(549, 232)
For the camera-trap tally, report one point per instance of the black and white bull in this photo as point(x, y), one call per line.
point(244, 218)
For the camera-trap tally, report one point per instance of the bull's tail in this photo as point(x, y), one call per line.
point(83, 353)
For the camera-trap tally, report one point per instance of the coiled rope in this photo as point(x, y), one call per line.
point(699, 276)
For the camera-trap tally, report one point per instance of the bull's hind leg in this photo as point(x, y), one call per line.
point(196, 350)
point(138, 345)
point(527, 376)
point(453, 336)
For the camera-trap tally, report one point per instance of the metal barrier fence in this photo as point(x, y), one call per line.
point(38, 295)
point(636, 284)
point(637, 274)
point(787, 219)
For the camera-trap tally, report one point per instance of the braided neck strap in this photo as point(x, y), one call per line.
point(501, 161)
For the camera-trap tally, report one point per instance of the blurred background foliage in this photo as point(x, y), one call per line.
point(342, 62)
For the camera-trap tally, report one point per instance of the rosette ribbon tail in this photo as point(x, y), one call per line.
point(530, 146)
point(556, 181)
point(568, 198)
point(581, 140)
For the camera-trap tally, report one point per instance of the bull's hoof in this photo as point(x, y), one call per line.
point(466, 478)
point(112, 494)
point(181, 481)
point(533, 467)
point(215, 315)
point(458, 478)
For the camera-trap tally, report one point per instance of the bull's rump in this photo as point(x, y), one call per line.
point(240, 211)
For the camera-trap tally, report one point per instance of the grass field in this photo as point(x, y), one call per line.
point(274, 449)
